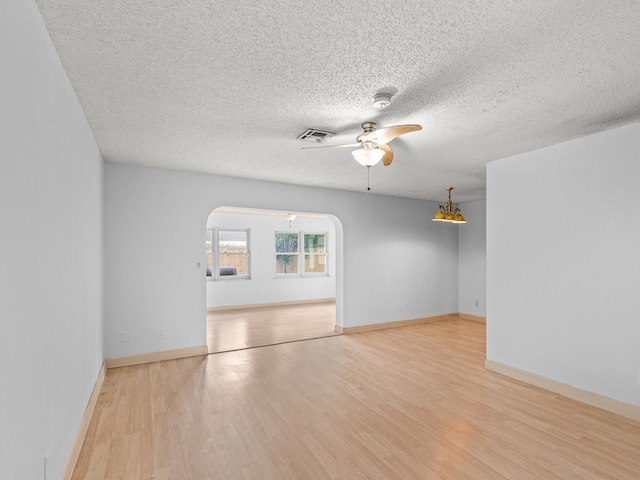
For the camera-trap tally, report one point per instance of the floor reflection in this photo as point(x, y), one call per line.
point(236, 329)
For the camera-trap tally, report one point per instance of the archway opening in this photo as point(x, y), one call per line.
point(273, 277)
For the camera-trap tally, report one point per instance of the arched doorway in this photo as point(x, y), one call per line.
point(271, 277)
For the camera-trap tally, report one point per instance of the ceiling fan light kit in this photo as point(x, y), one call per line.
point(448, 213)
point(368, 156)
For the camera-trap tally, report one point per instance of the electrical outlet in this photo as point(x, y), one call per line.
point(399, 307)
point(477, 303)
point(124, 336)
point(161, 333)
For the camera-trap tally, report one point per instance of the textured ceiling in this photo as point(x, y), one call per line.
point(226, 87)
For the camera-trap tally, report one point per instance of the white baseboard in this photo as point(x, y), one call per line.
point(475, 318)
point(404, 323)
point(609, 404)
point(72, 458)
point(399, 323)
point(156, 356)
point(275, 304)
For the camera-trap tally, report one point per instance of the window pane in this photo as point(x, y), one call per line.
point(286, 264)
point(286, 242)
point(232, 256)
point(230, 241)
point(232, 264)
point(314, 243)
point(315, 263)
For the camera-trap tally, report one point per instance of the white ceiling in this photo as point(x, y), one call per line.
point(226, 87)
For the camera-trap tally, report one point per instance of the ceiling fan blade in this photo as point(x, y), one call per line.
point(388, 154)
point(385, 135)
point(351, 145)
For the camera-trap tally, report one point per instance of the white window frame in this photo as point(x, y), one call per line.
point(216, 258)
point(301, 255)
point(276, 254)
point(209, 263)
point(304, 254)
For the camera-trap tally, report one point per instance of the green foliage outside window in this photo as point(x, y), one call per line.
point(287, 253)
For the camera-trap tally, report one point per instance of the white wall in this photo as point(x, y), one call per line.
point(154, 221)
point(51, 347)
point(264, 287)
point(563, 258)
point(472, 258)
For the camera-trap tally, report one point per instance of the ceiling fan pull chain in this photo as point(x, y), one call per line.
point(368, 188)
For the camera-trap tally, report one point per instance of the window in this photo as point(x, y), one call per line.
point(228, 254)
point(315, 253)
point(288, 253)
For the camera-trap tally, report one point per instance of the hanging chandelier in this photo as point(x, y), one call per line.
point(448, 213)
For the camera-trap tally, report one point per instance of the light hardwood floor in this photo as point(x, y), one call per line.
point(405, 403)
point(234, 329)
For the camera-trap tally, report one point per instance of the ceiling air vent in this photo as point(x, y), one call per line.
point(315, 136)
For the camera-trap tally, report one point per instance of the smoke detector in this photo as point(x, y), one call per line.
point(382, 100)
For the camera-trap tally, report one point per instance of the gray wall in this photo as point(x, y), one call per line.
point(472, 258)
point(51, 346)
point(563, 237)
point(154, 221)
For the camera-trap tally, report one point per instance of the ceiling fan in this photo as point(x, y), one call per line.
point(372, 143)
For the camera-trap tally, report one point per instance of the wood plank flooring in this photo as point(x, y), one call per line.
point(406, 403)
point(234, 329)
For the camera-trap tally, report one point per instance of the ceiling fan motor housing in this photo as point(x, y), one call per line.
point(367, 128)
